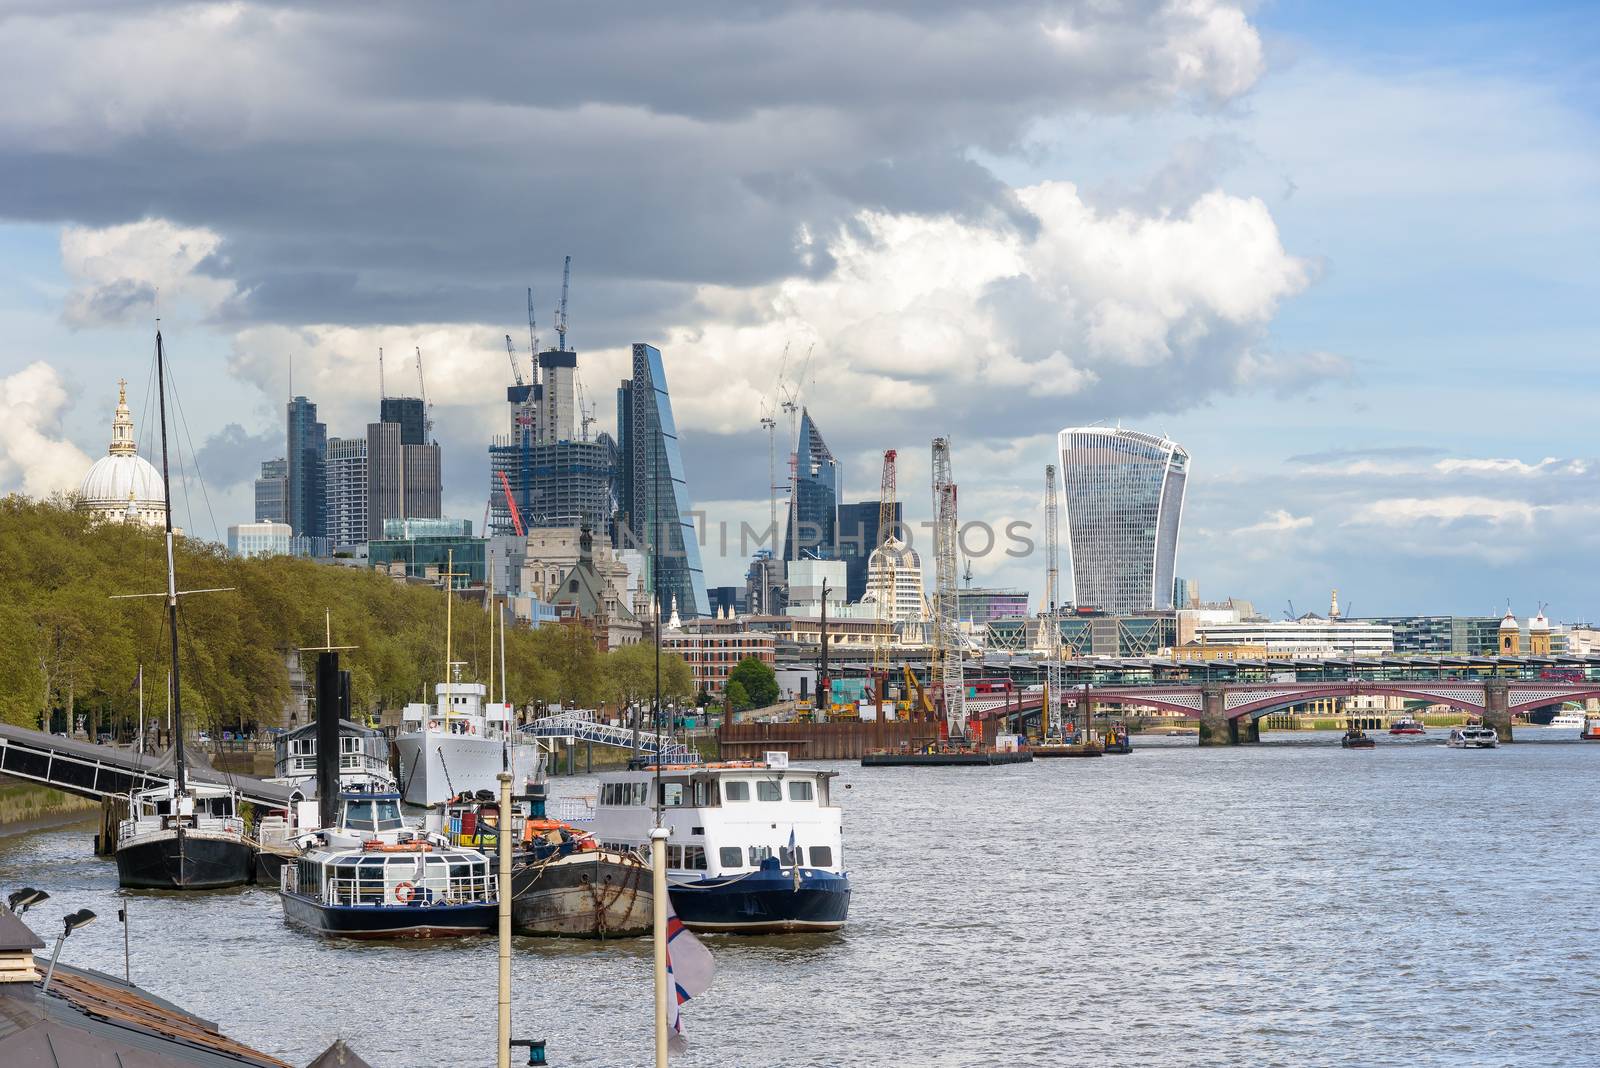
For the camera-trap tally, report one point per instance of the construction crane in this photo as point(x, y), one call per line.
point(561, 309)
point(1052, 641)
point(511, 505)
point(427, 408)
point(533, 337)
point(948, 659)
point(792, 406)
point(885, 601)
point(511, 354)
point(383, 394)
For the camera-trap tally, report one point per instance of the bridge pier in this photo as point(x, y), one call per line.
point(1215, 728)
point(1497, 707)
point(1246, 730)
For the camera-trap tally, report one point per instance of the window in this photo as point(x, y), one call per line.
point(694, 858)
point(767, 790)
point(671, 794)
point(736, 790)
point(800, 791)
point(729, 857)
point(758, 854)
point(674, 856)
point(822, 856)
point(641, 793)
point(786, 855)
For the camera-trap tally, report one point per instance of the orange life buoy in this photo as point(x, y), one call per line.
point(403, 893)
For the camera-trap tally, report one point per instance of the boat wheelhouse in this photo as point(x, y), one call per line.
point(189, 839)
point(1407, 725)
point(363, 757)
point(1473, 737)
point(754, 846)
point(371, 876)
point(458, 744)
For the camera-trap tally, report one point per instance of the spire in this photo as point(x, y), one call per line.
point(122, 443)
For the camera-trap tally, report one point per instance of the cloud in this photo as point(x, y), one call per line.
point(34, 458)
point(1388, 452)
point(1501, 466)
point(232, 456)
point(137, 270)
point(1277, 522)
point(1406, 511)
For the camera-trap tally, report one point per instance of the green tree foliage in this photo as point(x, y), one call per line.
point(65, 639)
point(736, 697)
point(755, 676)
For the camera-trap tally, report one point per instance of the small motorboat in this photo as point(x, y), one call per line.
point(1407, 725)
point(1356, 738)
point(1591, 729)
point(1473, 737)
point(1115, 740)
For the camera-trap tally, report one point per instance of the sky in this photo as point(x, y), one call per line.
point(1344, 254)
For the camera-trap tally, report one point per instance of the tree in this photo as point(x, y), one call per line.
point(756, 678)
point(738, 700)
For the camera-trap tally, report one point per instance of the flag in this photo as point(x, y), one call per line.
point(689, 971)
point(794, 858)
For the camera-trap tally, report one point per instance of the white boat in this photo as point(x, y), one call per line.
point(460, 744)
point(755, 846)
point(363, 758)
point(1567, 718)
point(1470, 737)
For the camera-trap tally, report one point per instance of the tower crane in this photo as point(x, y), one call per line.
point(427, 406)
point(886, 600)
point(533, 338)
point(1052, 578)
point(511, 353)
point(948, 658)
point(561, 310)
point(383, 394)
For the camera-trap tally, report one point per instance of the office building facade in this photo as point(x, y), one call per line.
point(857, 537)
point(655, 509)
point(403, 481)
point(272, 492)
point(345, 486)
point(410, 413)
point(308, 442)
point(812, 527)
point(1123, 505)
point(261, 539)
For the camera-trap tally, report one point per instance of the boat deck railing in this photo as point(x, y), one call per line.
point(135, 830)
point(471, 890)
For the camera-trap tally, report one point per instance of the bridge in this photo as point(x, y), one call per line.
point(99, 771)
point(1230, 713)
point(581, 726)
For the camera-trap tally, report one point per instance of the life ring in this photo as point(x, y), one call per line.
point(404, 892)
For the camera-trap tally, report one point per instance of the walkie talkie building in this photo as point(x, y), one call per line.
point(1124, 502)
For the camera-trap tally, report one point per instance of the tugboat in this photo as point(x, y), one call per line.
point(1356, 738)
point(1473, 737)
point(756, 846)
point(370, 876)
point(1591, 729)
point(1407, 725)
point(180, 835)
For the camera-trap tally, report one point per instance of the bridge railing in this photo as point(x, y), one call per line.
point(583, 726)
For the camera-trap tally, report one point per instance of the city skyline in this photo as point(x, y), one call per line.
point(1209, 252)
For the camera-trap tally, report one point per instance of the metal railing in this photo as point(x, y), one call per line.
point(582, 725)
point(456, 890)
point(134, 830)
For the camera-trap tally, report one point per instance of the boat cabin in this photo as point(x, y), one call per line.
point(363, 756)
point(458, 708)
point(201, 807)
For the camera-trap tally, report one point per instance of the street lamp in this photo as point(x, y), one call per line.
point(19, 901)
point(70, 922)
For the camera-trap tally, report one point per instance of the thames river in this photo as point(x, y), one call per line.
point(1290, 903)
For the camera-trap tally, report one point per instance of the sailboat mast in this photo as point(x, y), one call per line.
point(172, 578)
point(449, 649)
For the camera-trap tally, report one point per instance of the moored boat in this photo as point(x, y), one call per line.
point(756, 846)
point(459, 744)
point(1473, 737)
point(370, 876)
point(191, 839)
point(1591, 729)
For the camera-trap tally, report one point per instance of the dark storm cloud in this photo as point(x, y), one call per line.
point(232, 456)
point(393, 162)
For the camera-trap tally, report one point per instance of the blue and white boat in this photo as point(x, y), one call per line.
point(370, 876)
point(756, 847)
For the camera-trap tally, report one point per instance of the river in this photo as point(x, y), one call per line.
point(1290, 903)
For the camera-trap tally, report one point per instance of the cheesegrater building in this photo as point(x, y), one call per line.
point(1123, 504)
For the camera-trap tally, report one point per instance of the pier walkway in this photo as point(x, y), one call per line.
point(100, 771)
point(581, 726)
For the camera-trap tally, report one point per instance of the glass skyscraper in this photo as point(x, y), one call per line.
point(653, 490)
point(1124, 503)
point(813, 524)
point(308, 444)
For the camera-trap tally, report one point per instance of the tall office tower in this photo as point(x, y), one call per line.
point(858, 536)
point(653, 504)
point(308, 441)
point(813, 522)
point(558, 374)
point(345, 480)
point(412, 415)
point(403, 481)
point(1124, 502)
point(272, 492)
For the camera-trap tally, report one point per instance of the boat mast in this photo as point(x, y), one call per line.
point(172, 578)
point(449, 620)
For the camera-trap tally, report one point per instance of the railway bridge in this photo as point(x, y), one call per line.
point(1229, 713)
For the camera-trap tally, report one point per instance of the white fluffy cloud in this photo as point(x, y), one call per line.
point(120, 272)
point(34, 458)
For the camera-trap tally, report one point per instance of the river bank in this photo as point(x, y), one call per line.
point(25, 807)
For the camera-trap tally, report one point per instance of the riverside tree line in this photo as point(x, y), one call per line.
point(68, 647)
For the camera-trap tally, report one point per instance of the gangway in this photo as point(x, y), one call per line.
point(579, 725)
point(98, 771)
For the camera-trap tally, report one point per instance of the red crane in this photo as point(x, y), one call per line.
point(511, 503)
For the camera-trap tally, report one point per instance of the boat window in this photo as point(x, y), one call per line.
point(822, 856)
point(694, 858)
point(767, 790)
point(674, 856)
point(786, 855)
point(702, 794)
point(800, 790)
point(730, 857)
point(671, 794)
point(758, 854)
point(736, 790)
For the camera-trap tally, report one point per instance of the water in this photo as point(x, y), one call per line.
point(1282, 904)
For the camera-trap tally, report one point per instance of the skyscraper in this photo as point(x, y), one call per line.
point(308, 441)
point(412, 415)
point(813, 522)
point(858, 536)
point(272, 492)
point(654, 490)
point(1124, 502)
point(558, 371)
point(345, 483)
point(403, 480)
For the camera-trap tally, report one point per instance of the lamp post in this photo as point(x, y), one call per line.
point(70, 922)
point(19, 901)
